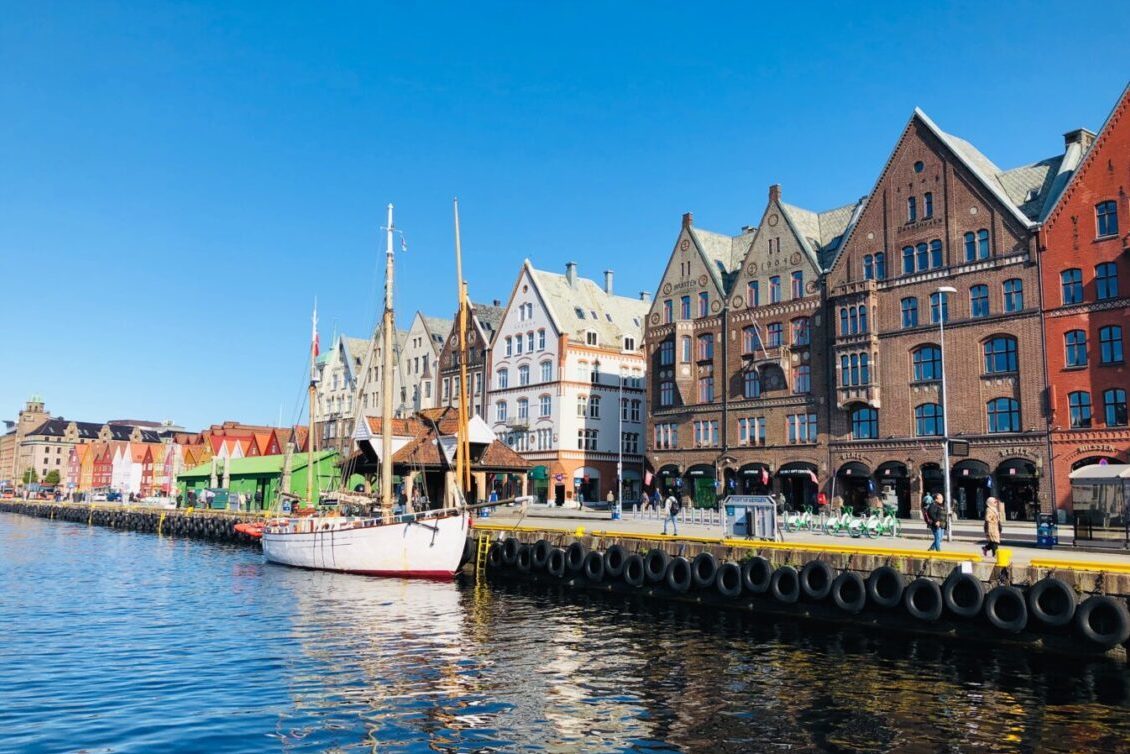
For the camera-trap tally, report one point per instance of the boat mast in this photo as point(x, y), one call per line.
point(311, 488)
point(386, 381)
point(462, 447)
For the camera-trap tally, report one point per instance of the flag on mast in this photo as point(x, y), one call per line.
point(314, 332)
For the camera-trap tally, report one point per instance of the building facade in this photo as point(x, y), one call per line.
point(566, 385)
point(1085, 269)
point(336, 391)
point(419, 364)
point(481, 329)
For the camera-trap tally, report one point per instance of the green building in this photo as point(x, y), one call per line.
point(262, 475)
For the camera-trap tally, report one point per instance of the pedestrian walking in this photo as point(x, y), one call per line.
point(672, 510)
point(657, 500)
point(645, 500)
point(992, 528)
point(610, 498)
point(935, 521)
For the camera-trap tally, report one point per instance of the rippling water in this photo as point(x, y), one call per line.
point(124, 642)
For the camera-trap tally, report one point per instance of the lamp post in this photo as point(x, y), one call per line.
point(943, 310)
point(620, 432)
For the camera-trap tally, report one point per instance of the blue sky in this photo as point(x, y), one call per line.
point(178, 181)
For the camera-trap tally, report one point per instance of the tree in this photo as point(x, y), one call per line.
point(52, 477)
point(30, 477)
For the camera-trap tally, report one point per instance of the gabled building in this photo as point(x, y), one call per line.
point(336, 391)
point(419, 363)
point(369, 380)
point(566, 384)
point(481, 329)
point(942, 215)
point(1085, 268)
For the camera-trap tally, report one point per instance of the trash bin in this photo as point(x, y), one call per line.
point(1047, 531)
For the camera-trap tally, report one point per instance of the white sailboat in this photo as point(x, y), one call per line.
point(428, 544)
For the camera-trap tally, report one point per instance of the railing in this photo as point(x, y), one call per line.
point(700, 516)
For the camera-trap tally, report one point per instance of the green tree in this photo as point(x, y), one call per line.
point(52, 477)
point(30, 477)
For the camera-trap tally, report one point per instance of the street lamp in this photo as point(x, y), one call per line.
point(620, 457)
point(943, 310)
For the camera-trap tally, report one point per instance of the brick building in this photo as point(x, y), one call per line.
point(1085, 267)
point(482, 326)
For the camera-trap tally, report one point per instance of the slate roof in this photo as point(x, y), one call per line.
point(489, 318)
point(57, 427)
point(355, 347)
point(821, 232)
point(616, 316)
point(438, 327)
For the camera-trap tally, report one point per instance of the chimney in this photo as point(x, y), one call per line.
point(775, 192)
point(688, 219)
point(608, 282)
point(645, 296)
point(1080, 136)
point(571, 273)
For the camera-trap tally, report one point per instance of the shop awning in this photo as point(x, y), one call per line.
point(539, 472)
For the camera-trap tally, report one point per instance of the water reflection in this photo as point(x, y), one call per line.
point(128, 642)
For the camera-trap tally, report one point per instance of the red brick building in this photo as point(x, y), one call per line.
point(1085, 271)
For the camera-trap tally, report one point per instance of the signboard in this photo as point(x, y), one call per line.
point(959, 448)
point(559, 477)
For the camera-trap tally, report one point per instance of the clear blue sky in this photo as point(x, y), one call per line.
point(179, 181)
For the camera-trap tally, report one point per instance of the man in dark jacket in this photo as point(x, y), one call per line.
point(933, 514)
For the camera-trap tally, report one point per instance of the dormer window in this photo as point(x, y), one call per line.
point(590, 338)
point(629, 343)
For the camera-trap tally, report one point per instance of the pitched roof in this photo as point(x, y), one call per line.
point(355, 347)
point(488, 317)
point(820, 233)
point(612, 317)
point(58, 427)
point(438, 327)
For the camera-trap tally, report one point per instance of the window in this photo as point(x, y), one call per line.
point(1106, 218)
point(927, 362)
point(705, 433)
point(982, 244)
point(909, 312)
point(1110, 344)
point(864, 423)
point(751, 431)
point(1106, 281)
point(586, 439)
point(446, 389)
point(582, 405)
point(798, 284)
point(1075, 348)
point(705, 389)
point(970, 246)
point(686, 348)
point(1013, 295)
point(546, 371)
point(685, 307)
point(753, 293)
point(751, 340)
point(666, 393)
point(541, 340)
point(668, 312)
point(881, 266)
point(530, 342)
point(979, 301)
point(1071, 283)
point(921, 257)
point(928, 420)
point(1000, 355)
point(801, 428)
point(939, 308)
point(1079, 405)
point(624, 409)
point(774, 332)
point(594, 373)
point(703, 304)
point(630, 442)
point(524, 375)
point(666, 436)
point(927, 205)
point(590, 338)
point(751, 384)
point(845, 326)
point(911, 209)
point(802, 331)
point(1114, 406)
point(775, 289)
point(503, 380)
point(545, 405)
point(935, 254)
point(802, 379)
point(863, 326)
point(667, 353)
point(907, 260)
point(629, 343)
point(705, 346)
point(636, 406)
point(523, 408)
point(868, 267)
point(518, 344)
point(500, 409)
point(1004, 415)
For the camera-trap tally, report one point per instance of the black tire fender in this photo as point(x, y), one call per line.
point(756, 575)
point(494, 555)
point(785, 585)
point(634, 571)
point(1052, 602)
point(575, 557)
point(704, 569)
point(816, 579)
point(655, 565)
point(963, 594)
point(923, 600)
point(539, 555)
point(885, 587)
point(679, 577)
point(728, 580)
point(614, 560)
point(555, 563)
point(1006, 609)
point(594, 566)
point(524, 559)
point(1103, 620)
point(510, 552)
point(849, 592)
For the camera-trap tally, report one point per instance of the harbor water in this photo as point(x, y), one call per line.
point(116, 641)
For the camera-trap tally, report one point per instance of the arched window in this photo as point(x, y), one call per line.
point(928, 420)
point(1000, 355)
point(970, 247)
point(907, 260)
point(500, 411)
point(927, 362)
point(1114, 407)
point(503, 379)
point(982, 244)
point(864, 423)
point(545, 405)
point(706, 346)
point(864, 369)
point(1013, 295)
point(922, 254)
point(853, 360)
point(751, 384)
point(1004, 415)
point(935, 254)
point(868, 267)
point(524, 375)
point(751, 341)
point(1075, 348)
point(1079, 406)
point(909, 312)
point(594, 406)
point(802, 331)
point(853, 320)
point(979, 301)
point(523, 408)
point(881, 266)
point(863, 319)
point(547, 370)
point(802, 379)
point(844, 321)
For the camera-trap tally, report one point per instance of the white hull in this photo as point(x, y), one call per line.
point(428, 547)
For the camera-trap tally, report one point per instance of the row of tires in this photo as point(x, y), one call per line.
point(197, 527)
point(1049, 605)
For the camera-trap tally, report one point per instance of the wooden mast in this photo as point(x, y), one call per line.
point(387, 325)
point(462, 447)
point(311, 488)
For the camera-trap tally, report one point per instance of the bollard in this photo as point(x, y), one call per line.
point(1004, 557)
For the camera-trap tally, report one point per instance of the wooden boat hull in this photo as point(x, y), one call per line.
point(429, 548)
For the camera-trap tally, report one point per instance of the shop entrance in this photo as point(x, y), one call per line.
point(703, 490)
point(970, 484)
point(586, 485)
point(754, 479)
point(854, 485)
point(894, 487)
point(798, 484)
point(667, 480)
point(1017, 487)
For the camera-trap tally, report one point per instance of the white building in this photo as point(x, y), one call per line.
point(418, 364)
point(567, 384)
point(339, 370)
